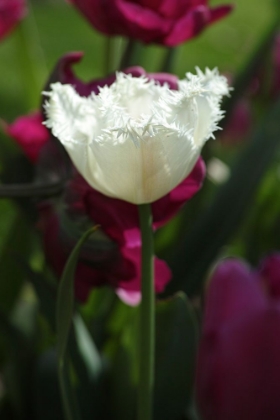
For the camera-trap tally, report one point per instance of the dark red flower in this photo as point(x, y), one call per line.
point(238, 365)
point(11, 12)
point(167, 22)
point(115, 256)
point(64, 74)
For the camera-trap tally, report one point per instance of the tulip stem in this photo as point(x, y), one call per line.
point(168, 60)
point(131, 54)
point(108, 54)
point(147, 317)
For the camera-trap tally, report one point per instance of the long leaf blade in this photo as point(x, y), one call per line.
point(64, 315)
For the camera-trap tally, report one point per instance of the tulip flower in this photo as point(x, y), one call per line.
point(11, 12)
point(137, 139)
point(113, 258)
point(167, 22)
point(238, 366)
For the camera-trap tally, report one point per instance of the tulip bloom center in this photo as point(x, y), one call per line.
point(137, 140)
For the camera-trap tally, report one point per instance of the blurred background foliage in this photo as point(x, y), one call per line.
point(54, 28)
point(27, 56)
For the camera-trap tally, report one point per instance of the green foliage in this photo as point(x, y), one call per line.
point(97, 342)
point(176, 344)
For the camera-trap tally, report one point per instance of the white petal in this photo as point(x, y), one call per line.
point(211, 87)
point(137, 140)
point(140, 174)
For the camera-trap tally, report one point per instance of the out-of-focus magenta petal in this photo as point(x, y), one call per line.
point(188, 26)
point(119, 219)
point(141, 23)
point(162, 271)
point(231, 284)
point(219, 12)
point(129, 297)
point(270, 271)
point(167, 22)
point(164, 78)
point(193, 21)
point(11, 12)
point(64, 74)
point(238, 364)
point(127, 286)
point(123, 272)
point(30, 134)
point(97, 12)
point(166, 207)
point(239, 124)
point(238, 368)
point(170, 9)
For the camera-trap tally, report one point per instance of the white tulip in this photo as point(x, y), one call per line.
point(137, 140)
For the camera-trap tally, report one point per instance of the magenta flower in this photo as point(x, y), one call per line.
point(167, 22)
point(11, 12)
point(30, 134)
point(113, 257)
point(239, 124)
point(64, 74)
point(238, 365)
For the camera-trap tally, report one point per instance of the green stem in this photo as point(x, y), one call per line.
point(131, 54)
point(168, 60)
point(108, 54)
point(147, 317)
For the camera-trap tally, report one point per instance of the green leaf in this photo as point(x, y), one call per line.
point(65, 298)
point(88, 368)
point(216, 226)
point(19, 364)
point(176, 345)
point(167, 64)
point(15, 241)
point(87, 349)
point(123, 374)
point(87, 363)
point(46, 396)
point(122, 349)
point(64, 315)
point(46, 294)
point(250, 68)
